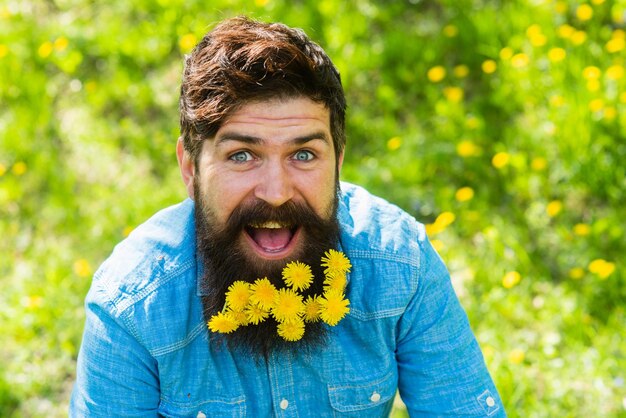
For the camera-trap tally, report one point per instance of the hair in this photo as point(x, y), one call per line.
point(241, 61)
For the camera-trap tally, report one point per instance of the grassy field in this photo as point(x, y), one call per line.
point(500, 124)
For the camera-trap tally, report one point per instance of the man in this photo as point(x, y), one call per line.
point(274, 289)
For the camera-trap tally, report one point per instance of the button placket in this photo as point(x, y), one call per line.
point(282, 385)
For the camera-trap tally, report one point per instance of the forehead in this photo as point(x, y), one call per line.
point(282, 114)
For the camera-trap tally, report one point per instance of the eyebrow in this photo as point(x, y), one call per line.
point(254, 140)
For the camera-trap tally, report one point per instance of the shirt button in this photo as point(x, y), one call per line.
point(375, 397)
point(284, 404)
point(490, 401)
point(201, 415)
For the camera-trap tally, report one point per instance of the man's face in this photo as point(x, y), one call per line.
point(275, 151)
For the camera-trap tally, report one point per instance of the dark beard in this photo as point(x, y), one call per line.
point(219, 249)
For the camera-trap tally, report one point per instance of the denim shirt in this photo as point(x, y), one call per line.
point(146, 349)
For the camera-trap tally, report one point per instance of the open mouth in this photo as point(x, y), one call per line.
point(272, 239)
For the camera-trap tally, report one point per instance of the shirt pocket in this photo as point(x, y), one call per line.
point(371, 398)
point(233, 407)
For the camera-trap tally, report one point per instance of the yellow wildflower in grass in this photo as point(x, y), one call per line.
point(187, 42)
point(291, 330)
point(461, 71)
point(593, 85)
point(445, 218)
point(566, 31)
point(297, 275)
point(578, 37)
point(511, 279)
point(506, 53)
point(516, 356)
point(127, 230)
point(436, 73)
point(557, 100)
point(601, 268)
point(19, 168)
point(467, 148)
point(223, 322)
point(556, 54)
point(312, 308)
point(622, 97)
point(288, 305)
point(472, 122)
point(238, 295)
point(255, 314)
point(240, 316)
point(596, 105)
point(597, 2)
point(45, 49)
point(263, 293)
point(464, 194)
point(453, 94)
point(32, 302)
point(591, 72)
point(61, 43)
point(576, 273)
point(618, 34)
point(450, 31)
point(582, 230)
point(335, 262)
point(261, 3)
point(538, 164)
point(82, 268)
point(615, 45)
point(560, 7)
point(334, 306)
point(336, 281)
point(4, 50)
point(584, 12)
point(609, 113)
point(394, 143)
point(615, 72)
point(501, 160)
point(438, 245)
point(536, 36)
point(3, 169)
point(520, 60)
point(554, 208)
point(489, 66)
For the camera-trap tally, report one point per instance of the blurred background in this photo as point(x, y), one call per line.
point(499, 124)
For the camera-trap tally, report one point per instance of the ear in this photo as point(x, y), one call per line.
point(340, 161)
point(186, 165)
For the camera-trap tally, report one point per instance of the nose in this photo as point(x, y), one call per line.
point(275, 185)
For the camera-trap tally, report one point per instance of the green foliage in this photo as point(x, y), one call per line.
point(500, 124)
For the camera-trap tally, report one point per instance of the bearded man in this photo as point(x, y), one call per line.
point(274, 289)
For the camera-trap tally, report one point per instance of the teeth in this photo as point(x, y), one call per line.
point(269, 225)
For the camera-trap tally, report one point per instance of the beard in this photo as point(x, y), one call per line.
point(221, 250)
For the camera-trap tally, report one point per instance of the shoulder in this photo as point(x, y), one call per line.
point(149, 273)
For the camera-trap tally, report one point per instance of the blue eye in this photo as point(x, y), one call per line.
point(241, 157)
point(303, 156)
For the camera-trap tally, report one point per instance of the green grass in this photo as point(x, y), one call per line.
point(499, 124)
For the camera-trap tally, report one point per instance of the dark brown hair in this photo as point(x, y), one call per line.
point(242, 60)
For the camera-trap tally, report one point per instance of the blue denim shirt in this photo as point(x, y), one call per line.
point(146, 351)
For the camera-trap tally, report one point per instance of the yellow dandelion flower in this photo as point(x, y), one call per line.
point(436, 73)
point(445, 219)
point(61, 43)
point(554, 208)
point(335, 262)
point(262, 293)
point(578, 37)
point(3, 169)
point(461, 71)
point(291, 330)
point(261, 3)
point(582, 230)
point(561, 7)
point(223, 322)
point(615, 45)
point(584, 12)
point(82, 268)
point(610, 113)
point(501, 160)
point(601, 268)
point(19, 168)
point(45, 49)
point(516, 356)
point(593, 85)
point(596, 105)
point(450, 31)
point(576, 273)
point(312, 309)
point(565, 31)
point(489, 66)
point(597, 2)
point(438, 245)
point(297, 275)
point(591, 72)
point(453, 94)
point(464, 194)
point(538, 164)
point(472, 122)
point(520, 60)
point(556, 100)
point(467, 148)
point(511, 279)
point(557, 54)
point(32, 302)
point(4, 50)
point(238, 295)
point(615, 72)
point(536, 36)
point(506, 53)
point(334, 307)
point(622, 97)
point(394, 143)
point(187, 42)
point(255, 314)
point(239, 316)
point(336, 281)
point(288, 305)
